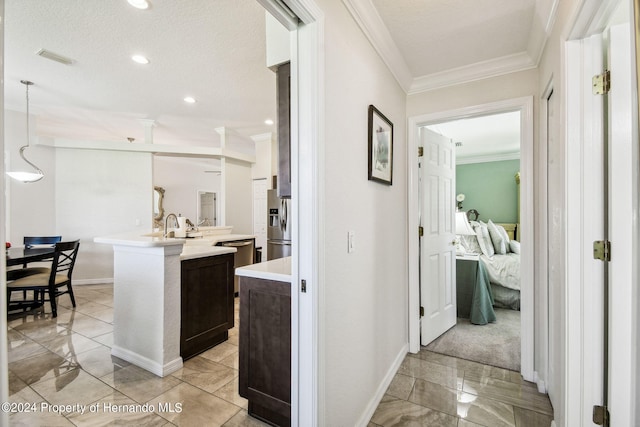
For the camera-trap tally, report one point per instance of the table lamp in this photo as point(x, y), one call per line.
point(463, 228)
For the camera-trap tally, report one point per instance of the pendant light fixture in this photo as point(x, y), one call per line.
point(27, 177)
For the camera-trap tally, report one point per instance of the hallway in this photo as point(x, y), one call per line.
point(432, 389)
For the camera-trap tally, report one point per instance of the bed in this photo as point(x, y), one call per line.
point(502, 268)
point(504, 276)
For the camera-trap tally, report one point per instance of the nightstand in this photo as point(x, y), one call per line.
point(474, 300)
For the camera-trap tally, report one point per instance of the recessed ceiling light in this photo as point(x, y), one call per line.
point(140, 59)
point(268, 122)
point(190, 100)
point(139, 4)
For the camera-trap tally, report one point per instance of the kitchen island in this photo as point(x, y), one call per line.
point(148, 289)
point(265, 340)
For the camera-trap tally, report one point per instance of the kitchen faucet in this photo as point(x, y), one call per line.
point(167, 220)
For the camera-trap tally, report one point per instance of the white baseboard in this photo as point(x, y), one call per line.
point(81, 282)
point(375, 401)
point(146, 363)
point(542, 386)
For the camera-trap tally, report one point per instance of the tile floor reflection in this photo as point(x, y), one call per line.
point(432, 389)
point(67, 360)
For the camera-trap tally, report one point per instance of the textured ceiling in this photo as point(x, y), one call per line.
point(213, 50)
point(494, 135)
point(438, 35)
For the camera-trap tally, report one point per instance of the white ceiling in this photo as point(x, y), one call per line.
point(486, 138)
point(438, 35)
point(214, 50)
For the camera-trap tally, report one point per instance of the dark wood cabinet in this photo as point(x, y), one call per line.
point(265, 349)
point(206, 303)
point(283, 83)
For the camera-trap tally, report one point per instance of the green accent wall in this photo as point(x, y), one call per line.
point(490, 188)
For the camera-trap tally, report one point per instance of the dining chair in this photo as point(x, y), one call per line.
point(51, 282)
point(29, 243)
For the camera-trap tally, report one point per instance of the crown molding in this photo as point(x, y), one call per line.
point(488, 158)
point(373, 27)
point(478, 71)
point(371, 24)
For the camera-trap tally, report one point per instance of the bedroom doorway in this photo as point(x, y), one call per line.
point(486, 191)
point(521, 229)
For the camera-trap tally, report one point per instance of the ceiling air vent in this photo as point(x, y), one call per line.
point(54, 57)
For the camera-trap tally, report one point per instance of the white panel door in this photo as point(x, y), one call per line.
point(260, 214)
point(437, 248)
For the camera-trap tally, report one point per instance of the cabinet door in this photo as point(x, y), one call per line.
point(265, 349)
point(206, 303)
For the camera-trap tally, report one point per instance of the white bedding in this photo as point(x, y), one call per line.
point(503, 269)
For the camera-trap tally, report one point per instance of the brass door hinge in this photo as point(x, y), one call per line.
point(601, 416)
point(602, 250)
point(421, 311)
point(601, 83)
point(420, 151)
point(420, 231)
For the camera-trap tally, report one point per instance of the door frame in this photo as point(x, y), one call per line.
point(525, 106)
point(584, 344)
point(307, 167)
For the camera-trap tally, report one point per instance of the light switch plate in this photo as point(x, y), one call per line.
point(350, 247)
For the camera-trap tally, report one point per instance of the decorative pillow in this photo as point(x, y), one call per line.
point(499, 244)
point(470, 244)
point(504, 235)
point(484, 239)
point(514, 245)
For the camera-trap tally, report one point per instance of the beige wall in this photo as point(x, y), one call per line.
point(237, 196)
point(364, 294)
point(99, 193)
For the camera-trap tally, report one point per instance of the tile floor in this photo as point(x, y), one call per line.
point(432, 389)
point(67, 361)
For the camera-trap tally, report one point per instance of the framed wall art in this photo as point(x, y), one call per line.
point(380, 147)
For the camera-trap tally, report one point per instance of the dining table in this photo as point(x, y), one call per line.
point(21, 256)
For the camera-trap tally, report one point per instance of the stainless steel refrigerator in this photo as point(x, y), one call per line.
point(278, 226)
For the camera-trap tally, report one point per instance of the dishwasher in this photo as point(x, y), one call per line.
point(244, 256)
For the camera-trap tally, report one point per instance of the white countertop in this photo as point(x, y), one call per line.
point(155, 239)
point(204, 247)
point(139, 239)
point(277, 269)
point(201, 251)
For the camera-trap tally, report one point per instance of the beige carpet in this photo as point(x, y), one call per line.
point(495, 344)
